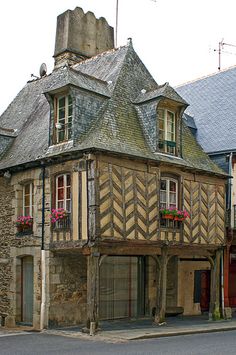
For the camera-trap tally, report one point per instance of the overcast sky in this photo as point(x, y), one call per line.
point(174, 38)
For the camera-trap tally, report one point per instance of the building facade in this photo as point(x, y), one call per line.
point(109, 207)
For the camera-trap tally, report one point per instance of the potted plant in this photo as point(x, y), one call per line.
point(24, 223)
point(181, 215)
point(173, 213)
point(167, 213)
point(58, 214)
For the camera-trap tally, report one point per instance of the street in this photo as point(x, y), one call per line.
point(43, 344)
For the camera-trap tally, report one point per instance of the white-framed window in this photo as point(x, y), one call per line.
point(167, 131)
point(64, 109)
point(63, 192)
point(28, 199)
point(169, 193)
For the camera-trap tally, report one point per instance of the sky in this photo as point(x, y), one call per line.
point(175, 39)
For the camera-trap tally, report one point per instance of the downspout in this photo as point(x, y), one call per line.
point(229, 206)
point(222, 282)
point(43, 257)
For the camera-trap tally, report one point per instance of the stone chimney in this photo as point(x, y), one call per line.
point(80, 36)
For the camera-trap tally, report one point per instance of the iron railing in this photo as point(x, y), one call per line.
point(64, 223)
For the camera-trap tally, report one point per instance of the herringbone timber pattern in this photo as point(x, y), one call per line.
point(128, 203)
point(205, 204)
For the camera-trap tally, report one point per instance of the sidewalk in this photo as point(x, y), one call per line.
point(144, 329)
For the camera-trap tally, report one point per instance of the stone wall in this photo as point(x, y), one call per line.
point(14, 246)
point(6, 235)
point(68, 290)
point(186, 285)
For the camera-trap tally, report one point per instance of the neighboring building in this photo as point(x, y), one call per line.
point(101, 140)
point(212, 102)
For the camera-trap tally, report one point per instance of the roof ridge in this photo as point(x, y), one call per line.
point(206, 76)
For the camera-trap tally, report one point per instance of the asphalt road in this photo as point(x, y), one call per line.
point(43, 344)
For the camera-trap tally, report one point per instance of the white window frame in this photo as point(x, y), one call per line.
point(167, 179)
point(165, 130)
point(65, 128)
point(65, 192)
point(31, 207)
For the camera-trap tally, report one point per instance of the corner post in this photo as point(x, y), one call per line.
point(161, 306)
point(214, 312)
point(92, 291)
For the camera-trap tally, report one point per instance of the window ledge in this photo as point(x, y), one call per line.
point(60, 147)
point(169, 155)
point(70, 142)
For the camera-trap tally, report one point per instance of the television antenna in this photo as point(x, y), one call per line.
point(220, 50)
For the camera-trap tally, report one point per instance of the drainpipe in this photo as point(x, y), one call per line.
point(230, 189)
point(43, 257)
point(222, 282)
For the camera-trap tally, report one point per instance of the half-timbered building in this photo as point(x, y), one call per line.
point(94, 155)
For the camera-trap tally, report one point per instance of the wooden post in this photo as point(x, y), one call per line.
point(214, 312)
point(161, 304)
point(92, 291)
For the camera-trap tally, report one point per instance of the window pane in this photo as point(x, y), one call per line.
point(27, 200)
point(68, 193)
point(60, 181)
point(163, 196)
point(172, 185)
point(60, 204)
point(172, 198)
point(60, 194)
point(163, 205)
point(163, 184)
point(68, 183)
point(61, 113)
point(61, 136)
point(61, 102)
point(27, 189)
point(27, 211)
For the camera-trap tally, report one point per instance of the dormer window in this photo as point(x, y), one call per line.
point(63, 122)
point(167, 131)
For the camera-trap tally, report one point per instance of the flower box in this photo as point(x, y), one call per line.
point(174, 214)
point(168, 216)
point(180, 219)
point(24, 224)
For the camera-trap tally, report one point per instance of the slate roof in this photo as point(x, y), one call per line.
point(119, 76)
point(212, 103)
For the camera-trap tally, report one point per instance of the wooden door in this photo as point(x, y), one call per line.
point(202, 289)
point(205, 290)
point(27, 286)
